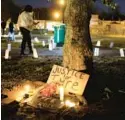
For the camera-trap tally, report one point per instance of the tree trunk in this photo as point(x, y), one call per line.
point(77, 52)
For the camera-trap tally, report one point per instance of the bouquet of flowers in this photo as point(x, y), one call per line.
point(48, 90)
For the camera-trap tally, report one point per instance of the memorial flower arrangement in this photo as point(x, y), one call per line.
point(49, 89)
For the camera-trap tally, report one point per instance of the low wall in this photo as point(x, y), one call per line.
point(98, 27)
point(44, 24)
point(108, 28)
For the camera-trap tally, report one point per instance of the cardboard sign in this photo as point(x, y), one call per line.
point(72, 81)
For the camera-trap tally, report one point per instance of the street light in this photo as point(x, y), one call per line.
point(56, 15)
point(62, 2)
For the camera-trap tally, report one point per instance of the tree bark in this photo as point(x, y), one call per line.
point(77, 51)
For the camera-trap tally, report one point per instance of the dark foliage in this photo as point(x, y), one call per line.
point(9, 10)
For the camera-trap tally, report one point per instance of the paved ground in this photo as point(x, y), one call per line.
point(59, 52)
point(18, 38)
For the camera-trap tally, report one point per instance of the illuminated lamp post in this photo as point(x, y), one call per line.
point(62, 3)
point(56, 15)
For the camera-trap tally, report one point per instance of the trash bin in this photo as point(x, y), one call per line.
point(59, 34)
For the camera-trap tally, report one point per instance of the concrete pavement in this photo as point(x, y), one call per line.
point(59, 52)
point(109, 52)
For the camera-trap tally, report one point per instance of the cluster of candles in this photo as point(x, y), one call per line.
point(25, 92)
point(67, 103)
point(7, 51)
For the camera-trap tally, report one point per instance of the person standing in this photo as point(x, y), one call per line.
point(3, 26)
point(25, 22)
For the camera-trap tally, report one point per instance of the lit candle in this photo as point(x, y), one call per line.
point(36, 40)
point(6, 54)
point(19, 33)
point(122, 52)
point(32, 45)
point(9, 47)
point(50, 45)
point(20, 96)
point(61, 94)
point(35, 54)
point(68, 103)
point(44, 44)
point(27, 88)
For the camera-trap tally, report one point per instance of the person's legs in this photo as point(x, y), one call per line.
point(3, 31)
point(23, 44)
point(29, 42)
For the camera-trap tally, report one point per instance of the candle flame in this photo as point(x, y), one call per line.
point(27, 88)
point(61, 93)
point(20, 96)
point(68, 103)
point(62, 2)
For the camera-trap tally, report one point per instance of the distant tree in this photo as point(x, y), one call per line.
point(94, 9)
point(103, 15)
point(113, 8)
point(116, 13)
point(9, 10)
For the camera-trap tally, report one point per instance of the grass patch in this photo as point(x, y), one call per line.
point(13, 44)
point(18, 44)
point(16, 70)
point(108, 72)
point(105, 41)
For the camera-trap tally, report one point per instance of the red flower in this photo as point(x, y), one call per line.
point(48, 90)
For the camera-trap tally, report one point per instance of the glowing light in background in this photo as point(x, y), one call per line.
point(27, 88)
point(62, 2)
point(56, 15)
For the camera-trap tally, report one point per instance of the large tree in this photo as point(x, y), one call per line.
point(77, 53)
point(78, 49)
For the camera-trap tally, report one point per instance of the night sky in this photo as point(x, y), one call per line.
point(34, 3)
point(121, 4)
point(45, 3)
